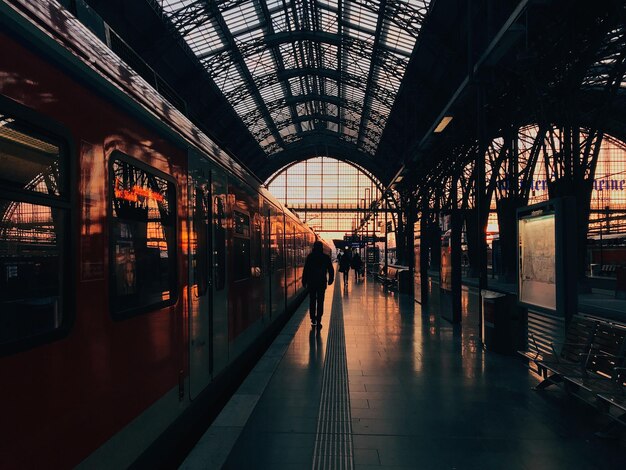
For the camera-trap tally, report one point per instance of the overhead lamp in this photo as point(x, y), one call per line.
point(443, 124)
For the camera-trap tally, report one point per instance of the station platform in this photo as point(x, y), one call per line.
point(386, 384)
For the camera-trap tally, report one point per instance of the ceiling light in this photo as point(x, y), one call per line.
point(5, 120)
point(443, 124)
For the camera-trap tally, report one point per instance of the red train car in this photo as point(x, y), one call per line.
point(138, 261)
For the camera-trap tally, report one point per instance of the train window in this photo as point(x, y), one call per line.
point(200, 250)
point(219, 234)
point(241, 246)
point(143, 239)
point(34, 227)
point(242, 224)
point(255, 249)
point(241, 258)
point(279, 262)
point(28, 161)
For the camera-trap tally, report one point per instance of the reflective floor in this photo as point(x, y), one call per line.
point(423, 394)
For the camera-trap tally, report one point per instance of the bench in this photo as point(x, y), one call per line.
point(389, 279)
point(578, 339)
point(590, 366)
point(614, 401)
point(609, 270)
point(604, 383)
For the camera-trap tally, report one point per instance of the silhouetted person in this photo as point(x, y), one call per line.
point(356, 263)
point(344, 265)
point(317, 265)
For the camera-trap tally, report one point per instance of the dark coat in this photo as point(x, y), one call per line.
point(344, 262)
point(316, 266)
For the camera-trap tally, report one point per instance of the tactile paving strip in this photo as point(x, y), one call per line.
point(333, 440)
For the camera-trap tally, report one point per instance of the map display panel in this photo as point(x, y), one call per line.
point(537, 263)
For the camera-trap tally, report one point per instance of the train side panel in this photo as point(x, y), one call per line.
point(74, 383)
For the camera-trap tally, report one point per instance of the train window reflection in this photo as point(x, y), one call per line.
point(31, 269)
point(241, 246)
point(255, 247)
point(33, 231)
point(219, 233)
point(143, 240)
point(28, 162)
point(241, 264)
point(242, 223)
point(200, 251)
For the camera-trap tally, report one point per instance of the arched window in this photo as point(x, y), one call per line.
point(328, 194)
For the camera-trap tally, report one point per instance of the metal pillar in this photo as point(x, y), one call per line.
point(386, 233)
point(367, 226)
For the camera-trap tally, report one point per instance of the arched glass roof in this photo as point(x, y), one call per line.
point(330, 195)
point(294, 69)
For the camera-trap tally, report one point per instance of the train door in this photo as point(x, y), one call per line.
point(200, 293)
point(221, 211)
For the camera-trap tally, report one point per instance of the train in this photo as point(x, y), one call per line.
point(139, 262)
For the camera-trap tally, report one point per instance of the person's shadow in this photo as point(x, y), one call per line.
point(315, 349)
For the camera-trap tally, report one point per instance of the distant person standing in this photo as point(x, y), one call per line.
point(356, 264)
point(344, 265)
point(316, 266)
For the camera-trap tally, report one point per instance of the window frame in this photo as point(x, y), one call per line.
point(201, 278)
point(47, 128)
point(117, 155)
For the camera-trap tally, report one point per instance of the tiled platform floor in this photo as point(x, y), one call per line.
point(423, 395)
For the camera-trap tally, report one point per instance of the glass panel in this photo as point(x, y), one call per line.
point(241, 258)
point(242, 223)
point(219, 249)
point(32, 236)
point(27, 161)
point(143, 239)
point(241, 246)
point(385, 31)
point(199, 241)
point(327, 184)
point(31, 269)
point(256, 258)
point(276, 249)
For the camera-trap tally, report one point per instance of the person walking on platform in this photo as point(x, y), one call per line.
point(344, 265)
point(316, 266)
point(356, 264)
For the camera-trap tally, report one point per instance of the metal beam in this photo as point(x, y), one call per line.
point(325, 209)
point(385, 57)
point(278, 58)
point(370, 76)
point(239, 59)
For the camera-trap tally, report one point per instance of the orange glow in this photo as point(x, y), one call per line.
point(135, 193)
